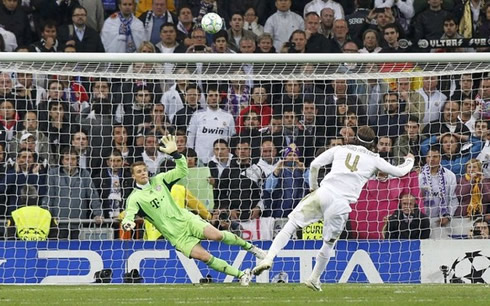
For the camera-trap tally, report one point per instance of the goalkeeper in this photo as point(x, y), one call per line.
point(151, 200)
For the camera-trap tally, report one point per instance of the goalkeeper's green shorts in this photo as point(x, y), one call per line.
point(193, 234)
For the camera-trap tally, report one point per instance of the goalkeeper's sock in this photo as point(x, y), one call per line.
point(222, 266)
point(281, 240)
point(321, 261)
point(232, 239)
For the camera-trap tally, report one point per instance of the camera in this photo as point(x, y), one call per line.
point(290, 164)
point(199, 48)
point(291, 47)
point(476, 232)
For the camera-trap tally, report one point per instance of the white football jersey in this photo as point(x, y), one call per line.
point(205, 127)
point(352, 167)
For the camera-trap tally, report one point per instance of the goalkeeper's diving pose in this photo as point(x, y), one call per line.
point(352, 167)
point(151, 200)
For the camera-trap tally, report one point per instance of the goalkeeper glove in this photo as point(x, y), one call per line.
point(128, 226)
point(168, 145)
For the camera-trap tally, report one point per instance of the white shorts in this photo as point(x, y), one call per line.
point(322, 204)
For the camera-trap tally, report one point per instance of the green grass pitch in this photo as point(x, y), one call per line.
point(256, 294)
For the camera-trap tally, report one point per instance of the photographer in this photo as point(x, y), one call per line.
point(287, 184)
point(480, 230)
point(296, 44)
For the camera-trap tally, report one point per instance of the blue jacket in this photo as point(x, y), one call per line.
point(285, 192)
point(457, 164)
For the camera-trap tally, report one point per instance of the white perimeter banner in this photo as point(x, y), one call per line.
point(469, 258)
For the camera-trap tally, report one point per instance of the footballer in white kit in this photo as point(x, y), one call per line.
point(352, 167)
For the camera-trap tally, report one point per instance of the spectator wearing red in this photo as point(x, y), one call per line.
point(260, 105)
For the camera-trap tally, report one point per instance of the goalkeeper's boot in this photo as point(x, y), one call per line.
point(246, 277)
point(315, 286)
point(265, 264)
point(258, 252)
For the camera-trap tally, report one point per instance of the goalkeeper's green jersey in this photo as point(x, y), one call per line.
point(155, 203)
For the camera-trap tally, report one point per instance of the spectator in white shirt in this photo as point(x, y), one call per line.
point(433, 99)
point(282, 23)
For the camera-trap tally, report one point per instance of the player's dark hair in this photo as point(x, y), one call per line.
point(220, 34)
point(190, 153)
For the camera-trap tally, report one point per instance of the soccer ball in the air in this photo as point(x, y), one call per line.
point(211, 23)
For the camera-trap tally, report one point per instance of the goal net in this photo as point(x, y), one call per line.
point(249, 125)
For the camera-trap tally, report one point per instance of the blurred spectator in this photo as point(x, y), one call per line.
point(88, 156)
point(276, 132)
point(287, 184)
point(182, 118)
point(451, 32)
point(55, 93)
point(159, 124)
point(380, 198)
point(79, 34)
point(198, 42)
point(154, 19)
point(340, 34)
point(470, 112)
point(481, 132)
point(6, 85)
point(465, 88)
point(9, 41)
point(122, 32)
point(3, 186)
point(30, 136)
point(203, 129)
point(181, 141)
point(25, 172)
point(238, 190)
point(14, 19)
point(9, 118)
point(403, 11)
point(114, 185)
point(430, 100)
point(247, 45)
point(370, 42)
point(356, 19)
point(391, 36)
point(268, 157)
point(220, 43)
point(457, 149)
point(185, 26)
point(168, 43)
point(265, 44)
point(326, 22)
point(120, 142)
point(49, 41)
point(448, 122)
point(220, 161)
point(27, 95)
point(259, 104)
point(95, 13)
point(150, 154)
point(201, 8)
point(173, 99)
point(59, 127)
point(317, 43)
point(139, 112)
point(251, 21)
point(429, 24)
point(318, 5)
point(409, 142)
point(470, 13)
point(384, 147)
point(282, 23)
point(72, 195)
point(30, 222)
point(291, 97)
point(473, 192)
point(480, 230)
point(237, 97)
point(407, 222)
point(311, 131)
point(393, 120)
point(484, 29)
point(438, 186)
point(236, 32)
point(348, 134)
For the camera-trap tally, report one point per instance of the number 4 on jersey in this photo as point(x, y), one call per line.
point(352, 167)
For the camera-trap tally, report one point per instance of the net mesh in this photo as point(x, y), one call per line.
point(69, 132)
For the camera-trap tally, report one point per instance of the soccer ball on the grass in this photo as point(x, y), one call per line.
point(472, 268)
point(211, 23)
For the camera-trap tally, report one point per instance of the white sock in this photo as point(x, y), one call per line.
point(281, 240)
point(322, 259)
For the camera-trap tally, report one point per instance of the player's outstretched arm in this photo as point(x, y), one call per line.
point(399, 170)
point(130, 213)
point(168, 146)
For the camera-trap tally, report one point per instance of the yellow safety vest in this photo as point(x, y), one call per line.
point(32, 223)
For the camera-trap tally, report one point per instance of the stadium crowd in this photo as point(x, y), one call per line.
point(66, 142)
